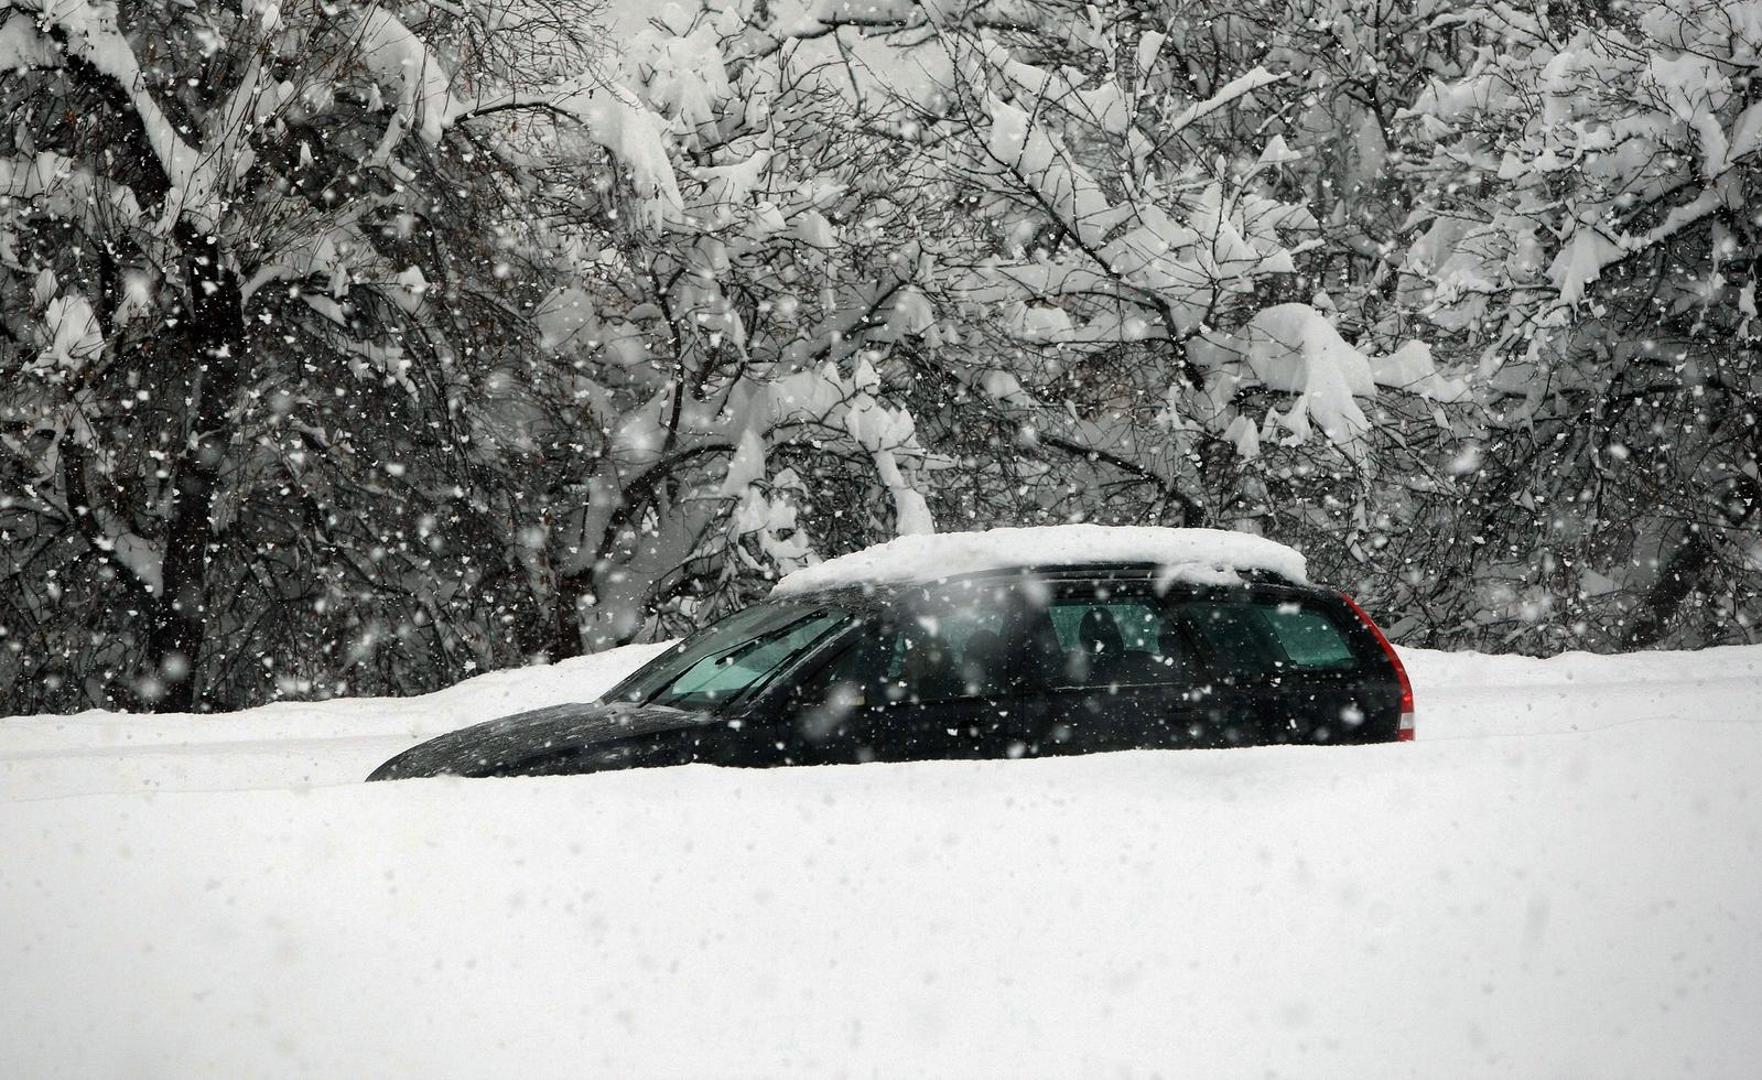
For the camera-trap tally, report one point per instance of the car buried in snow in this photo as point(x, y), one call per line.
point(1008, 643)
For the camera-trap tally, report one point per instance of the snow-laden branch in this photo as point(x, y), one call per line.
point(93, 36)
point(610, 115)
point(61, 187)
point(1233, 90)
point(397, 59)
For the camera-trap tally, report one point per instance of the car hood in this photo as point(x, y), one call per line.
point(499, 747)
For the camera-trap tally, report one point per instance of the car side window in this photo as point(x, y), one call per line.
point(1241, 644)
point(1311, 640)
point(999, 641)
point(1252, 640)
point(945, 657)
point(1113, 640)
point(1031, 637)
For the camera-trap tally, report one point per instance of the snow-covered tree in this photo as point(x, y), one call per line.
point(259, 270)
point(1134, 305)
point(358, 347)
point(362, 349)
point(1589, 230)
point(726, 362)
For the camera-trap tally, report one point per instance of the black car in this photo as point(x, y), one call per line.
point(1016, 662)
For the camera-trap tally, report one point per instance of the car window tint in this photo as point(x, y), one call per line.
point(1311, 640)
point(1241, 643)
point(1112, 641)
point(950, 646)
point(1028, 637)
point(728, 657)
point(1251, 639)
point(1140, 622)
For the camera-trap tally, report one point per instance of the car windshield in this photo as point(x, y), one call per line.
point(731, 657)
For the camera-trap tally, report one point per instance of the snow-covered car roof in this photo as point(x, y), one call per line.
point(1205, 556)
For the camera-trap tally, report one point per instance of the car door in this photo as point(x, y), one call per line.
point(925, 680)
point(1125, 677)
point(847, 715)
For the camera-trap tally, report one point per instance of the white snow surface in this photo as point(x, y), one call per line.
point(1207, 555)
point(1560, 878)
point(287, 743)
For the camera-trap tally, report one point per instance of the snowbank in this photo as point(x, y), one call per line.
point(1507, 896)
point(1212, 555)
point(1471, 695)
point(280, 745)
point(1435, 668)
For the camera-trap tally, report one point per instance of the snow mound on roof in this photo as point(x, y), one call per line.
point(1209, 555)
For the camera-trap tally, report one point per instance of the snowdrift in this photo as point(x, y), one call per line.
point(1561, 878)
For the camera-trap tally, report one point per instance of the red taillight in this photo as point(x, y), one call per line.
point(1404, 731)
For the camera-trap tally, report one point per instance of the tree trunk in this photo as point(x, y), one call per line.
point(216, 335)
point(566, 626)
point(1675, 580)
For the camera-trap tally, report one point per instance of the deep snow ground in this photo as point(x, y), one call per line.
point(286, 745)
point(1563, 878)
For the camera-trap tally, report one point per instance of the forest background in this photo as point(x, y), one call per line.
point(355, 348)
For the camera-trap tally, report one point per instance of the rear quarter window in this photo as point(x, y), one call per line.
point(1311, 639)
point(1258, 639)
